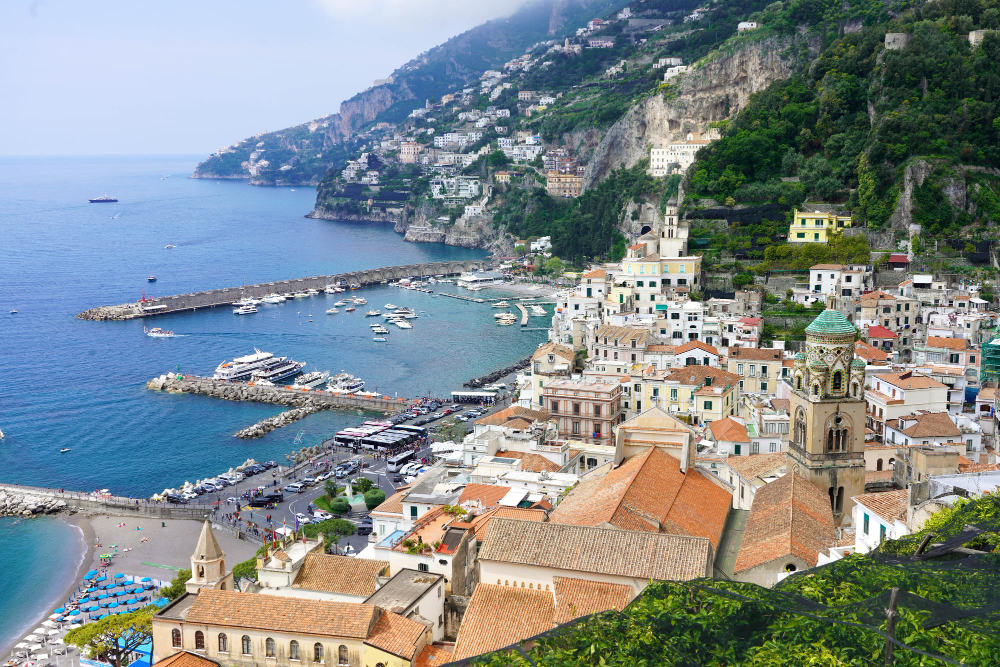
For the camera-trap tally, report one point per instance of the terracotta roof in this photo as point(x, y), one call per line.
point(531, 462)
point(552, 348)
point(393, 504)
point(888, 505)
point(513, 412)
point(906, 282)
point(622, 334)
point(339, 574)
point(434, 656)
point(282, 556)
point(729, 429)
point(879, 331)
point(755, 353)
point(899, 257)
point(282, 614)
point(869, 353)
point(782, 405)
point(596, 273)
point(648, 492)
point(929, 425)
point(480, 523)
point(579, 597)
point(909, 380)
point(186, 659)
point(876, 296)
point(947, 343)
point(827, 267)
point(691, 375)
point(498, 616)
point(625, 553)
point(488, 495)
point(660, 348)
point(978, 467)
point(758, 465)
point(696, 345)
point(986, 394)
point(750, 321)
point(397, 635)
point(789, 516)
point(637, 246)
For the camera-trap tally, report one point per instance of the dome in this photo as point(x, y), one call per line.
point(831, 322)
point(818, 365)
point(858, 363)
point(800, 356)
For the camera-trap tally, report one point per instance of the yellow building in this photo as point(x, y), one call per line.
point(704, 393)
point(816, 227)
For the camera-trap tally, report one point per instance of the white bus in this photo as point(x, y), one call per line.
point(397, 461)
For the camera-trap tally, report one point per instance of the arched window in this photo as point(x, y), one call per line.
point(317, 652)
point(268, 648)
point(854, 389)
point(800, 427)
point(838, 382)
point(342, 655)
point(175, 638)
point(878, 464)
point(223, 643)
point(201, 571)
point(293, 651)
point(892, 461)
point(790, 567)
point(199, 641)
point(247, 648)
point(798, 382)
point(816, 389)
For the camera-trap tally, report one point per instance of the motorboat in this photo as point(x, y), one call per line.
point(311, 380)
point(301, 295)
point(332, 311)
point(169, 246)
point(151, 279)
point(344, 383)
point(507, 319)
point(245, 310)
point(503, 315)
point(381, 330)
point(380, 339)
point(246, 301)
point(350, 309)
point(312, 292)
point(341, 303)
point(157, 332)
point(273, 298)
point(501, 304)
point(372, 313)
point(13, 311)
point(261, 382)
point(402, 324)
point(390, 306)
point(278, 368)
point(64, 450)
point(243, 367)
point(538, 311)
point(360, 301)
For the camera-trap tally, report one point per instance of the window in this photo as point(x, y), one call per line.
point(866, 524)
point(293, 651)
point(763, 386)
point(423, 567)
point(708, 405)
point(555, 404)
point(952, 358)
point(576, 427)
point(881, 533)
point(175, 638)
point(342, 655)
point(597, 408)
point(838, 381)
point(223, 643)
point(268, 648)
point(413, 511)
point(753, 370)
point(247, 648)
point(576, 408)
point(739, 369)
point(199, 641)
point(673, 393)
point(755, 448)
point(737, 449)
point(317, 652)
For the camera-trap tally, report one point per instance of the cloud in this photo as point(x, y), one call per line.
point(409, 15)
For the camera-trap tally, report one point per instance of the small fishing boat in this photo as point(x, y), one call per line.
point(157, 332)
point(380, 339)
point(332, 311)
point(13, 311)
point(64, 450)
point(349, 309)
point(151, 279)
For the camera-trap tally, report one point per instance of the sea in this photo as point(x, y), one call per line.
point(68, 383)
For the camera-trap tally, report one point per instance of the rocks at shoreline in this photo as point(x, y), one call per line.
point(475, 383)
point(284, 419)
point(14, 504)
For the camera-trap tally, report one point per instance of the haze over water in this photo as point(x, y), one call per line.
point(71, 383)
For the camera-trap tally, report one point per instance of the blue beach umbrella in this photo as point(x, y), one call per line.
point(92, 589)
point(91, 573)
point(145, 579)
point(60, 619)
point(102, 596)
point(92, 607)
point(59, 610)
point(75, 612)
point(119, 576)
point(130, 601)
point(83, 599)
point(101, 578)
point(112, 605)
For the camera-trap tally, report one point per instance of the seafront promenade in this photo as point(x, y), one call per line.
point(40, 500)
point(227, 295)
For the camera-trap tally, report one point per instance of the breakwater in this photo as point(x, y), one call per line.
point(227, 295)
point(296, 398)
point(489, 378)
point(265, 426)
point(19, 500)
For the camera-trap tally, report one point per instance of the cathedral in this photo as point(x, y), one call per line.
point(827, 409)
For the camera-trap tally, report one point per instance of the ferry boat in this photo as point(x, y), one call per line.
point(273, 298)
point(278, 368)
point(372, 313)
point(243, 367)
point(344, 383)
point(245, 310)
point(103, 199)
point(332, 311)
point(151, 279)
point(157, 332)
point(501, 304)
point(311, 380)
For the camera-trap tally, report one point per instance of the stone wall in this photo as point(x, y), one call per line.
point(454, 612)
point(17, 500)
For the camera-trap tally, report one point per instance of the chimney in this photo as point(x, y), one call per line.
point(686, 454)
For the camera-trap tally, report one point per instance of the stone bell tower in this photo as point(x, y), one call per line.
point(208, 564)
point(828, 412)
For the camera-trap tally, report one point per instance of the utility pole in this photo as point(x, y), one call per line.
point(890, 626)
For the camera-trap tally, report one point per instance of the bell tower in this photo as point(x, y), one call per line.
point(828, 412)
point(208, 564)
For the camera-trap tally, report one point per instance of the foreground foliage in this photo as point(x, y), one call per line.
point(113, 638)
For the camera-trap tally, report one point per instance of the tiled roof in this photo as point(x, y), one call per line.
point(986, 394)
point(626, 553)
point(579, 597)
point(282, 614)
point(758, 465)
point(929, 425)
point(909, 380)
point(879, 331)
point(877, 295)
point(729, 429)
point(488, 495)
point(622, 334)
point(869, 353)
point(978, 467)
point(889, 505)
point(661, 348)
point(513, 412)
point(481, 522)
point(696, 345)
point(434, 656)
point(789, 516)
point(186, 659)
point(282, 556)
point(552, 348)
point(397, 635)
point(531, 462)
point(648, 492)
point(394, 503)
point(498, 616)
point(596, 273)
point(755, 353)
point(947, 343)
point(899, 257)
point(750, 321)
point(339, 574)
point(692, 375)
point(827, 267)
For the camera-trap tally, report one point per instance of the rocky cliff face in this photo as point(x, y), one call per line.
point(713, 91)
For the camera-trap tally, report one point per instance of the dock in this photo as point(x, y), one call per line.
point(176, 303)
point(463, 298)
point(524, 314)
point(174, 383)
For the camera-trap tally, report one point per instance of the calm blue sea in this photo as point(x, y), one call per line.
point(70, 383)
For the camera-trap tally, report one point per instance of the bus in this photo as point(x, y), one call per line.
point(397, 461)
point(419, 431)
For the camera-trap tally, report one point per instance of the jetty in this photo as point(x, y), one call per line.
point(175, 383)
point(524, 314)
point(162, 305)
point(463, 298)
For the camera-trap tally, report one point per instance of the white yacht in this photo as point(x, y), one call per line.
point(372, 313)
point(538, 311)
point(245, 310)
point(390, 306)
point(311, 380)
point(344, 383)
point(501, 304)
point(273, 298)
point(402, 324)
point(332, 311)
point(360, 301)
point(157, 332)
point(277, 368)
point(246, 301)
point(301, 295)
point(243, 367)
point(507, 319)
point(312, 292)
point(341, 303)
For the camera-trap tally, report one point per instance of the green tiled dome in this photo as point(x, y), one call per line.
point(800, 356)
point(858, 363)
point(818, 365)
point(831, 322)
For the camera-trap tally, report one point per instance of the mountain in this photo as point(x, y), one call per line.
point(301, 154)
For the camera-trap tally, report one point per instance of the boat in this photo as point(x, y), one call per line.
point(341, 303)
point(360, 301)
point(246, 301)
point(312, 292)
point(380, 339)
point(64, 450)
point(390, 306)
point(344, 383)
point(301, 295)
point(332, 311)
point(245, 310)
point(381, 330)
point(169, 246)
point(503, 315)
point(372, 313)
point(151, 279)
point(330, 289)
point(2, 436)
point(402, 324)
point(538, 311)
point(157, 332)
point(507, 319)
point(311, 380)
point(273, 298)
point(261, 382)
point(241, 368)
point(103, 199)
point(13, 311)
point(277, 368)
point(349, 309)
point(501, 304)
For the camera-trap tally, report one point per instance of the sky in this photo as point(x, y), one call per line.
point(131, 77)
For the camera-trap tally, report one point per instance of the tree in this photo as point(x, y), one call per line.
point(554, 266)
point(333, 530)
point(497, 159)
point(340, 506)
point(176, 587)
point(331, 489)
point(246, 570)
point(113, 638)
point(520, 250)
point(374, 498)
point(362, 485)
point(454, 432)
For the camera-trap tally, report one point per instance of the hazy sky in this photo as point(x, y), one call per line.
point(189, 76)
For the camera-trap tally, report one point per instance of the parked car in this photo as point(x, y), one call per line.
point(261, 501)
point(295, 487)
point(364, 529)
point(321, 515)
point(303, 519)
point(309, 481)
point(176, 499)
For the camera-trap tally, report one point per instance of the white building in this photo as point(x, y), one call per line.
point(877, 517)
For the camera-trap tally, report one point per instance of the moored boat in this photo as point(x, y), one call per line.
point(332, 311)
point(245, 310)
point(311, 380)
point(344, 383)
